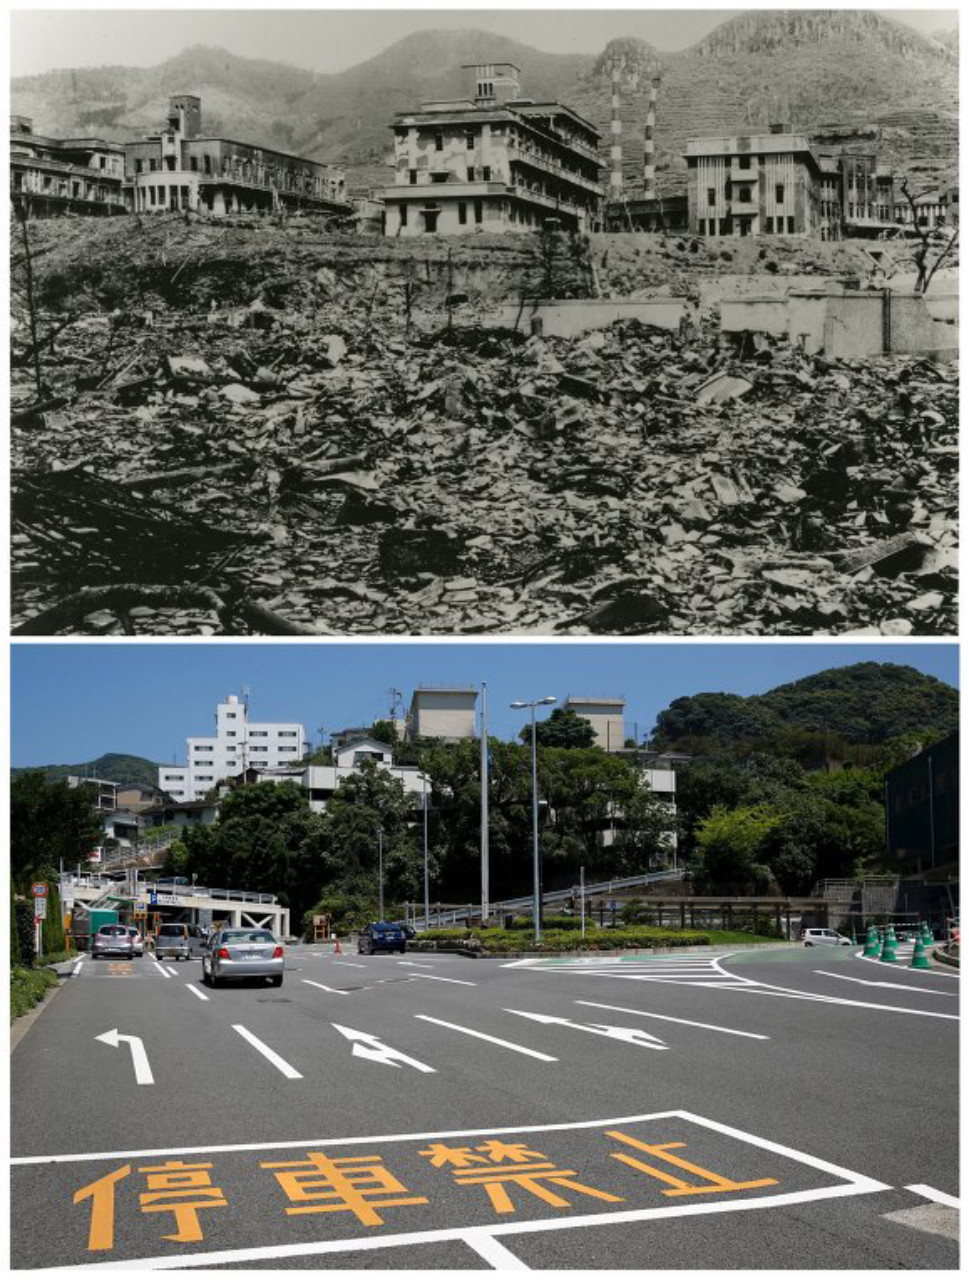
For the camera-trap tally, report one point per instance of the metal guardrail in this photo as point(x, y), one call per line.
point(174, 890)
point(506, 905)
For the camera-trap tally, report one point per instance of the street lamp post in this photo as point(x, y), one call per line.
point(536, 873)
point(380, 872)
point(427, 878)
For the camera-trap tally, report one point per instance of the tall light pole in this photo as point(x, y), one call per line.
point(380, 872)
point(427, 879)
point(537, 907)
point(485, 888)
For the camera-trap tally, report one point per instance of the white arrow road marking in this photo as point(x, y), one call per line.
point(898, 986)
point(930, 1193)
point(631, 1035)
point(663, 1017)
point(279, 1063)
point(433, 977)
point(480, 1035)
point(332, 990)
point(195, 991)
point(139, 1058)
point(369, 1046)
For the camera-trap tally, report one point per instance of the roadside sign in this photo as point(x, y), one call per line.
point(39, 890)
point(40, 908)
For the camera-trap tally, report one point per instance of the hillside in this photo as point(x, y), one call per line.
point(868, 702)
point(113, 766)
point(858, 78)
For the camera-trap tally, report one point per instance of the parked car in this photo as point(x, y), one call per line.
point(112, 939)
point(137, 941)
point(172, 940)
point(381, 937)
point(409, 931)
point(824, 938)
point(243, 953)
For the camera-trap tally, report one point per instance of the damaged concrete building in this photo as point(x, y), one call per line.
point(52, 176)
point(182, 168)
point(493, 162)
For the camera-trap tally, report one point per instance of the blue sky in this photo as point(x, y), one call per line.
point(72, 702)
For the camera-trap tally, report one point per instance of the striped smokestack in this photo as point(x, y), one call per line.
point(615, 151)
point(649, 154)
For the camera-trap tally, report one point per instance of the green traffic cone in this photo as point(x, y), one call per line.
point(871, 942)
point(927, 937)
point(888, 953)
point(891, 933)
point(919, 959)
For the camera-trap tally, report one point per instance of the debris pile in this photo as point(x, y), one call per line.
point(342, 464)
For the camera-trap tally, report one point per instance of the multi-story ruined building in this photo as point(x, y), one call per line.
point(182, 168)
point(494, 162)
point(50, 176)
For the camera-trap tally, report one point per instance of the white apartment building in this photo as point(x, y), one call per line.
point(239, 744)
point(606, 715)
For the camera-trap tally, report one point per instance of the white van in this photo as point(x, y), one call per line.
point(824, 938)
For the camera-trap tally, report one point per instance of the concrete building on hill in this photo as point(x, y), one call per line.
point(606, 717)
point(53, 176)
point(493, 162)
point(445, 712)
point(238, 744)
point(182, 168)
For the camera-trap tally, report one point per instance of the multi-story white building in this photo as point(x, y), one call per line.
point(606, 717)
point(445, 712)
point(238, 744)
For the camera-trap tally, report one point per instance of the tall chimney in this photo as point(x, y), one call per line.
point(649, 153)
point(615, 152)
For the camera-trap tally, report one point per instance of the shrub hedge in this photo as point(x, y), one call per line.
point(27, 988)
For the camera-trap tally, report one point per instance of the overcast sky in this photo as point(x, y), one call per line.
point(321, 40)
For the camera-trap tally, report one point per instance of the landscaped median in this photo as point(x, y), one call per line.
point(558, 936)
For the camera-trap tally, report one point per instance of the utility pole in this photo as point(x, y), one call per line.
point(485, 886)
point(380, 873)
point(427, 881)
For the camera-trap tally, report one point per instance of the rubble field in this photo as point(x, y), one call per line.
point(273, 433)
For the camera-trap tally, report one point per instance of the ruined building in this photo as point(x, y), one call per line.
point(495, 162)
point(182, 168)
point(51, 176)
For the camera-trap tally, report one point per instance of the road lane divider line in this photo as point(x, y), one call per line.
point(269, 1054)
point(195, 991)
point(896, 986)
point(161, 968)
point(930, 1193)
point(433, 977)
point(665, 1017)
point(792, 994)
point(77, 968)
point(172, 970)
point(416, 964)
point(493, 1251)
point(351, 964)
point(335, 991)
point(480, 1035)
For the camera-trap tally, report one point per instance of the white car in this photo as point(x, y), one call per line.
point(824, 938)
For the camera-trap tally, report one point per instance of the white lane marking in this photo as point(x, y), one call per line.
point(417, 964)
point(332, 990)
point(139, 1058)
point(480, 1035)
point(195, 991)
point(77, 967)
point(161, 968)
point(854, 1184)
point(493, 1252)
point(87, 1156)
point(433, 977)
point(279, 1063)
point(897, 986)
point(371, 1047)
point(629, 1035)
point(173, 972)
point(930, 1193)
point(350, 963)
point(766, 990)
point(663, 1017)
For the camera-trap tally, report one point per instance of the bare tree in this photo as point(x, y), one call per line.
point(925, 265)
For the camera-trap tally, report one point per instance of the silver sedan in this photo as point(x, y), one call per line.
point(242, 953)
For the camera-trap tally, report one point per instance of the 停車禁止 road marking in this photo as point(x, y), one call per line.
point(335, 991)
point(629, 1035)
point(663, 1017)
point(195, 991)
point(480, 1035)
point(895, 986)
point(371, 1047)
point(433, 977)
point(269, 1054)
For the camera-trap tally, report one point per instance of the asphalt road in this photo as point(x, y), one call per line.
point(787, 1109)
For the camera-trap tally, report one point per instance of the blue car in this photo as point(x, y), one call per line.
point(381, 937)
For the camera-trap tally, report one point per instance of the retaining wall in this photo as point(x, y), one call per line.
point(570, 317)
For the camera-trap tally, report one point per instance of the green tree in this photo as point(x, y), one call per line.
point(49, 822)
point(730, 845)
point(52, 929)
point(563, 728)
point(385, 731)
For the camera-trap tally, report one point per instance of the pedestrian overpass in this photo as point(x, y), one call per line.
point(187, 903)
